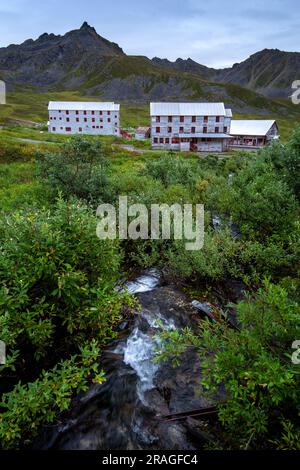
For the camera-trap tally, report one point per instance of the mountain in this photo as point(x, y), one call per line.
point(84, 61)
point(270, 72)
point(50, 58)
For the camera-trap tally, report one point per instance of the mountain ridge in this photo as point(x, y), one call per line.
point(83, 60)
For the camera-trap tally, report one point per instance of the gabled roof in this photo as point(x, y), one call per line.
point(187, 109)
point(82, 106)
point(251, 127)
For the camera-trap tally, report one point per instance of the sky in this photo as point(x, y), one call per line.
point(216, 33)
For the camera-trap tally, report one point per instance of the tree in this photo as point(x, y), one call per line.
point(80, 169)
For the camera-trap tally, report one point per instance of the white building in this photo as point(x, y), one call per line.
point(204, 127)
point(253, 133)
point(84, 118)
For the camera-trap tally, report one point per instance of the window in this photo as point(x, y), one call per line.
point(77, 112)
point(93, 127)
point(205, 118)
point(217, 118)
point(59, 111)
point(155, 140)
point(167, 140)
point(93, 119)
point(157, 118)
point(85, 119)
point(108, 119)
point(84, 112)
point(161, 140)
point(175, 140)
point(68, 119)
point(93, 112)
point(204, 130)
point(67, 112)
point(51, 119)
point(157, 130)
point(181, 118)
point(181, 129)
point(170, 119)
point(108, 113)
point(68, 129)
point(80, 129)
point(60, 118)
point(193, 130)
point(77, 119)
point(193, 118)
point(53, 129)
point(216, 130)
point(225, 129)
point(169, 130)
point(100, 113)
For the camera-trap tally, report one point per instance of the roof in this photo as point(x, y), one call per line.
point(142, 130)
point(228, 113)
point(187, 109)
point(251, 127)
point(82, 106)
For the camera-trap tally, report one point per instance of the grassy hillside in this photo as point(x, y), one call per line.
point(28, 107)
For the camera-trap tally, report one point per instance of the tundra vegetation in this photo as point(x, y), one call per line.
point(59, 305)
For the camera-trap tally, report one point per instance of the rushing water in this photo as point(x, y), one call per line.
point(124, 412)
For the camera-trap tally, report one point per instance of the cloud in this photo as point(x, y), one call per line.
point(215, 33)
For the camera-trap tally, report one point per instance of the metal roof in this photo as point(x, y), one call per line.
point(228, 112)
point(82, 106)
point(187, 109)
point(141, 130)
point(251, 127)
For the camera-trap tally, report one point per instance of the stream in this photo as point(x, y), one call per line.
point(126, 412)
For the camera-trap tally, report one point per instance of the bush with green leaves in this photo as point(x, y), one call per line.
point(33, 404)
point(57, 292)
point(171, 169)
point(261, 385)
point(80, 169)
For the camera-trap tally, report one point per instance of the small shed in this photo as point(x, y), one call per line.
point(142, 133)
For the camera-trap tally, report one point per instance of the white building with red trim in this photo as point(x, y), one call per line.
point(96, 118)
point(204, 127)
point(253, 133)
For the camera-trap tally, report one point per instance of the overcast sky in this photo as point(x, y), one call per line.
point(216, 33)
